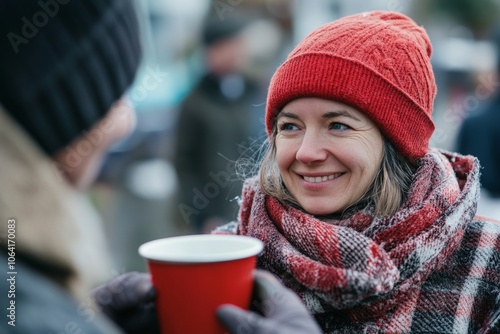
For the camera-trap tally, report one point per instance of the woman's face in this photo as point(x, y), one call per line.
point(328, 153)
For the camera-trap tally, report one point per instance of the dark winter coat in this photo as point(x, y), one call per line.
point(213, 131)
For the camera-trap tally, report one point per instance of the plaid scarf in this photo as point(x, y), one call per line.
point(361, 273)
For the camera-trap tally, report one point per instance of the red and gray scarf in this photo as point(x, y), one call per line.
point(362, 264)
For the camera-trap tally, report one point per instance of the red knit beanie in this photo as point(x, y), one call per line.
point(377, 62)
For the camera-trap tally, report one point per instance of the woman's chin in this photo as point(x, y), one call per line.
point(316, 208)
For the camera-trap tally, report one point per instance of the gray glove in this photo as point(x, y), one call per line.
point(281, 311)
point(129, 300)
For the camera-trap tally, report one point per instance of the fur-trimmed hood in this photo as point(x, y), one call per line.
point(54, 223)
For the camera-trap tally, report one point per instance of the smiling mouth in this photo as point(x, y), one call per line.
point(318, 179)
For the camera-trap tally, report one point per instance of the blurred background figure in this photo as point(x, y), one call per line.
point(479, 135)
point(215, 126)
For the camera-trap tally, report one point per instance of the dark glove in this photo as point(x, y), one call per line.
point(129, 300)
point(281, 311)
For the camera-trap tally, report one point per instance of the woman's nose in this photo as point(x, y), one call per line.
point(312, 148)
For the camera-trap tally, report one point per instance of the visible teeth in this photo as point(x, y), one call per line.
point(320, 178)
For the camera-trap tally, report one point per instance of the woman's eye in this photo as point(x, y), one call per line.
point(339, 126)
point(288, 127)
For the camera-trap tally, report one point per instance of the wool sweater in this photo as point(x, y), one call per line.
point(432, 267)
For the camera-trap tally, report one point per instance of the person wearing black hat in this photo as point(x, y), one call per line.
point(64, 70)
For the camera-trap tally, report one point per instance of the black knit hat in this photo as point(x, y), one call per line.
point(64, 62)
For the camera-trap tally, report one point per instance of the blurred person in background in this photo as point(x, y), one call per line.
point(214, 126)
point(479, 136)
point(375, 231)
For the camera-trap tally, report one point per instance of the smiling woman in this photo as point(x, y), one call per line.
point(374, 230)
point(383, 174)
point(327, 153)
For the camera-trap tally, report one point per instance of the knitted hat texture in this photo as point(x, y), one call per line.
point(64, 63)
point(377, 62)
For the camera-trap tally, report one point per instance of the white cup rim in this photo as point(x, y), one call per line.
point(213, 249)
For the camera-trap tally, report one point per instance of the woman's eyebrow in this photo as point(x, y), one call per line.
point(332, 114)
point(327, 115)
point(287, 114)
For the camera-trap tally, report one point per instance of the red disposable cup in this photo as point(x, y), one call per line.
point(193, 275)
